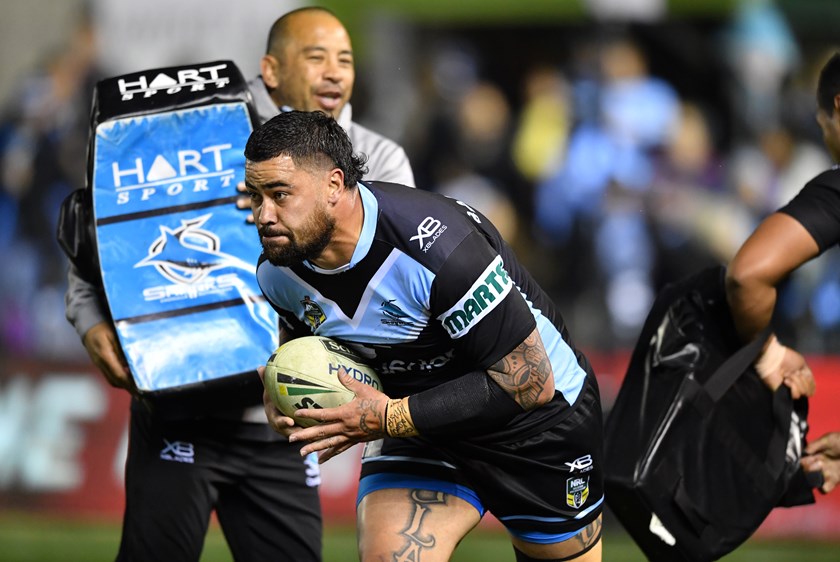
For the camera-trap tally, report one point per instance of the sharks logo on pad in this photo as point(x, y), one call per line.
point(188, 253)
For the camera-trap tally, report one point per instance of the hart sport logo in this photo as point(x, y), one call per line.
point(189, 79)
point(183, 157)
point(144, 176)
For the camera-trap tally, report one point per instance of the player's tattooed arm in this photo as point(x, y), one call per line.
point(525, 373)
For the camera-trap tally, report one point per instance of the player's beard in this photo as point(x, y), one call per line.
point(306, 244)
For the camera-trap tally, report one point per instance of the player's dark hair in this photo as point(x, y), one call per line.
point(829, 84)
point(280, 29)
point(309, 138)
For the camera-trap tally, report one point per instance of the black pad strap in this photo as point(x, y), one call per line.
point(465, 407)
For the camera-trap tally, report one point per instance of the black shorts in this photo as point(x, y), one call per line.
point(264, 493)
point(543, 488)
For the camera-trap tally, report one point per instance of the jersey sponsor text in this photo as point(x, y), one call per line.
point(487, 292)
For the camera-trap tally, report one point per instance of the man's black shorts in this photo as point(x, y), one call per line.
point(264, 493)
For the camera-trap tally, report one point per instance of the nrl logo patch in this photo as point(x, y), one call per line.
point(577, 491)
point(312, 313)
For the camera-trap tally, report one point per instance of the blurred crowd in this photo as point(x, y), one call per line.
point(609, 179)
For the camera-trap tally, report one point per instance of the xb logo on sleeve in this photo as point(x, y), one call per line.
point(429, 228)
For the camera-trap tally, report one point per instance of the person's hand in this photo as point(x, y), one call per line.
point(280, 422)
point(824, 455)
point(779, 365)
point(104, 349)
point(797, 375)
point(244, 202)
point(362, 419)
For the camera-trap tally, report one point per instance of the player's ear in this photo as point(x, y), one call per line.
point(836, 103)
point(336, 185)
point(270, 70)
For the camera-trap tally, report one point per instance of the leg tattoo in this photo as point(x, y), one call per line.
point(416, 542)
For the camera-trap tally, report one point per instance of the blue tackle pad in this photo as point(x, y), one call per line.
point(177, 258)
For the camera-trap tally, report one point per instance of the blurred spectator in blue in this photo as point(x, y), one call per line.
point(769, 169)
point(608, 168)
point(766, 173)
point(43, 142)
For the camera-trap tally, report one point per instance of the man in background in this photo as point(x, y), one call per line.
point(308, 66)
point(263, 492)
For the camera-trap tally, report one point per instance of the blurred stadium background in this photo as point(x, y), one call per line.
point(618, 144)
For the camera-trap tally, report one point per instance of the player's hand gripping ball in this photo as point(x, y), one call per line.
point(303, 373)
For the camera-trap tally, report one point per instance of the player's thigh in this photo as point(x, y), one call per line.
point(584, 546)
point(412, 524)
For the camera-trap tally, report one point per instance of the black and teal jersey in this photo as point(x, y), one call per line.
point(431, 293)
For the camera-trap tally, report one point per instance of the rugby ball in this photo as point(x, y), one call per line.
point(303, 373)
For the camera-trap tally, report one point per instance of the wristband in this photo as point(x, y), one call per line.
point(398, 421)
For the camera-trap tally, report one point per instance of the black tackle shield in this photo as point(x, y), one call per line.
point(698, 449)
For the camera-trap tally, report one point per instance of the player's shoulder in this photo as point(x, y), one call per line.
point(427, 226)
point(829, 178)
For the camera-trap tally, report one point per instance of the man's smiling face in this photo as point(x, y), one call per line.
point(313, 69)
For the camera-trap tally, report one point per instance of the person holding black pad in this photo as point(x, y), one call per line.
point(797, 233)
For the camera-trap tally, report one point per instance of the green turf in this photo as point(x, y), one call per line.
point(25, 538)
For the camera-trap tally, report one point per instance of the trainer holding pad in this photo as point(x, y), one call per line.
point(162, 286)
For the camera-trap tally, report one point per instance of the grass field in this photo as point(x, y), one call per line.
point(24, 538)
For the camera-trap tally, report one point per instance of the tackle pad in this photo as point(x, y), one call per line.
point(176, 257)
